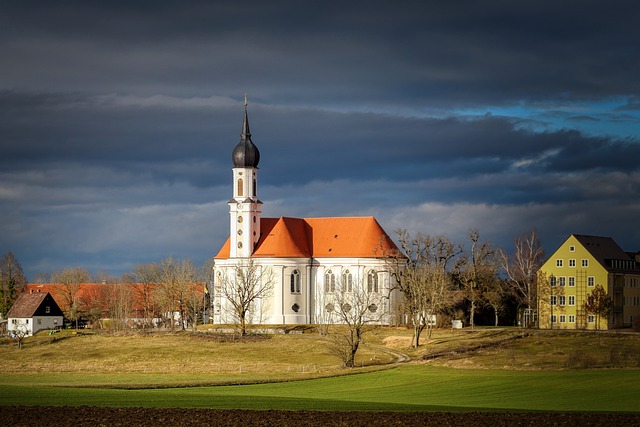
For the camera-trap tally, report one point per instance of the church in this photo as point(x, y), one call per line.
point(304, 269)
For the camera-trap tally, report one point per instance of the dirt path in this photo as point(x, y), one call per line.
point(399, 356)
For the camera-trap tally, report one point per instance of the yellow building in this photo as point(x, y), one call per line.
point(572, 273)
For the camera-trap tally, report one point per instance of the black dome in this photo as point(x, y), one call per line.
point(246, 154)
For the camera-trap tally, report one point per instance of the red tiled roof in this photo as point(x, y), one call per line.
point(284, 237)
point(89, 292)
point(339, 237)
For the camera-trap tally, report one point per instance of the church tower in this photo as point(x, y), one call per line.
point(244, 207)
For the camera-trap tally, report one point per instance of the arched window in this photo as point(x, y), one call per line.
point(329, 282)
point(347, 281)
point(255, 188)
point(295, 282)
point(240, 187)
point(218, 284)
point(372, 281)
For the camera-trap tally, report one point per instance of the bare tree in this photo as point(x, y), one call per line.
point(176, 287)
point(598, 304)
point(478, 273)
point(208, 277)
point(93, 302)
point(71, 280)
point(12, 282)
point(424, 278)
point(201, 294)
point(495, 296)
point(357, 307)
point(325, 317)
point(410, 279)
point(245, 286)
point(550, 296)
point(196, 303)
point(20, 333)
point(521, 269)
point(120, 303)
point(144, 280)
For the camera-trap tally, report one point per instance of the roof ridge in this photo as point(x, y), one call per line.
point(287, 239)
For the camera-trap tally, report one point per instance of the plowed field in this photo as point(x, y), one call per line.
point(92, 416)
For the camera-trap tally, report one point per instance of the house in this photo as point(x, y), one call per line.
point(33, 312)
point(574, 270)
point(308, 260)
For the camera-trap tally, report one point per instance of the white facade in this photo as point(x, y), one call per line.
point(30, 326)
point(302, 289)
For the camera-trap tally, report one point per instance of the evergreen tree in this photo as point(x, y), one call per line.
point(12, 281)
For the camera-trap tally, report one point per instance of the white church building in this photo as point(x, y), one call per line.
point(310, 264)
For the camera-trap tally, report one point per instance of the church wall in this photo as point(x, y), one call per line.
point(359, 269)
point(291, 306)
point(310, 302)
point(276, 308)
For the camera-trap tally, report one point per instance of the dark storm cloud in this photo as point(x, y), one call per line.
point(411, 53)
point(117, 120)
point(164, 140)
point(411, 148)
point(172, 140)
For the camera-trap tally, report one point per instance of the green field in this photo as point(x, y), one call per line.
point(404, 388)
point(69, 372)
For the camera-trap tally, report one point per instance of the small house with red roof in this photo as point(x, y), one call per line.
point(33, 312)
point(308, 259)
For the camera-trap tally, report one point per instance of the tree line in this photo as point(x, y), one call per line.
point(437, 277)
point(168, 293)
point(440, 278)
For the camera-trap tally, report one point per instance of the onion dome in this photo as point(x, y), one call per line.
point(246, 154)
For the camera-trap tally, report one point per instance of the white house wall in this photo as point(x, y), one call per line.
point(35, 324)
point(46, 322)
point(16, 324)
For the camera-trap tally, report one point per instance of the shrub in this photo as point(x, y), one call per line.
point(580, 360)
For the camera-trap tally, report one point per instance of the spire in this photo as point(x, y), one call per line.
point(245, 154)
point(246, 133)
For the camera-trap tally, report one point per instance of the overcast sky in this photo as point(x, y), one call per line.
point(117, 122)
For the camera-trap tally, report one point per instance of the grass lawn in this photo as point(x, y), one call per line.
point(538, 371)
point(404, 388)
